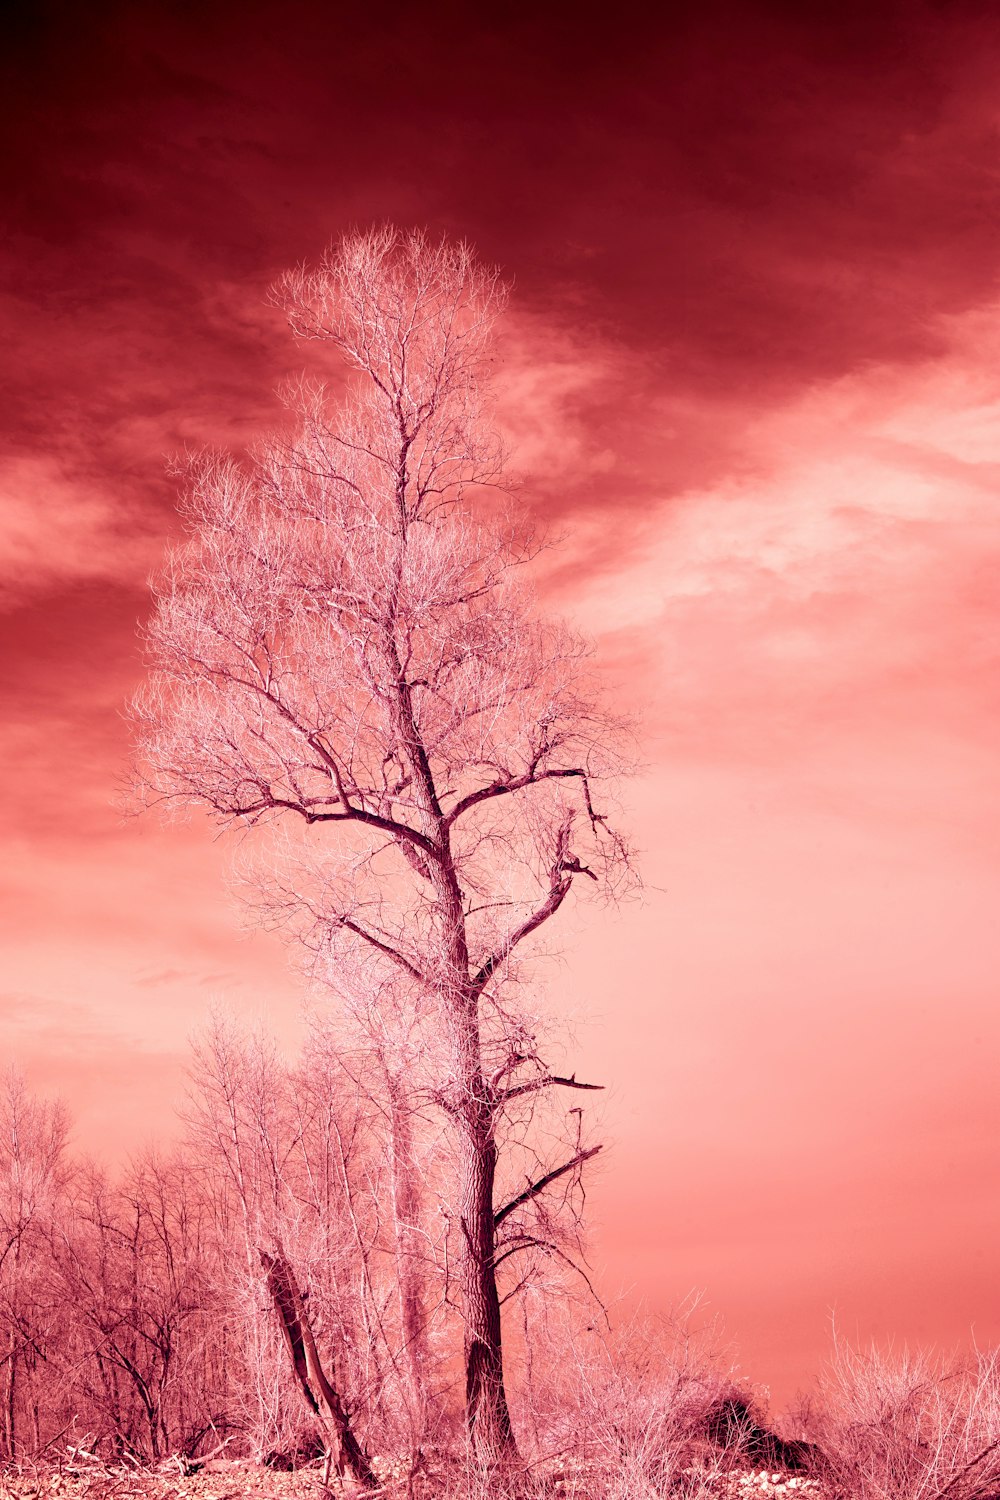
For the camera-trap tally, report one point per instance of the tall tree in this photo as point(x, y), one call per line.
point(342, 645)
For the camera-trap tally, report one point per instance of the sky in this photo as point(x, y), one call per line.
point(750, 379)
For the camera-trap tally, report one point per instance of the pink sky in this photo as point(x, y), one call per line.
point(751, 378)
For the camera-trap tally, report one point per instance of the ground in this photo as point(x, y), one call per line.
point(232, 1481)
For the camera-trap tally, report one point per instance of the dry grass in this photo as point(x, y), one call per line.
point(560, 1481)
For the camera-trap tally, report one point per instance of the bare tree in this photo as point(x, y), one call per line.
point(340, 645)
point(33, 1174)
point(282, 1146)
point(130, 1265)
point(375, 1046)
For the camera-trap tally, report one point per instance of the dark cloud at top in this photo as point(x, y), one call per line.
point(741, 199)
point(744, 199)
point(762, 191)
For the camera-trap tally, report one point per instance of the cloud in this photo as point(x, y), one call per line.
point(555, 385)
point(58, 529)
point(837, 577)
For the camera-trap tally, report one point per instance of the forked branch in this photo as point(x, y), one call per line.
point(564, 867)
point(534, 1188)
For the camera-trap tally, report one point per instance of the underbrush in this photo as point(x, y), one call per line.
point(908, 1426)
point(639, 1413)
point(649, 1412)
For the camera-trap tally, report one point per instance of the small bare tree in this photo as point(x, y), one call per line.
point(282, 1149)
point(340, 645)
point(33, 1175)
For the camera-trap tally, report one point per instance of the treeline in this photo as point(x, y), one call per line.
point(114, 1325)
point(138, 1316)
point(134, 1308)
point(137, 1311)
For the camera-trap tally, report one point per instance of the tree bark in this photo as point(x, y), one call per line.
point(486, 1409)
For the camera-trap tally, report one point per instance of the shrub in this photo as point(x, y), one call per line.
point(909, 1426)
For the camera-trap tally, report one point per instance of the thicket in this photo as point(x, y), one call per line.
point(136, 1325)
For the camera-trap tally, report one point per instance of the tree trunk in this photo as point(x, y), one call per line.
point(322, 1398)
point(10, 1413)
point(486, 1410)
point(406, 1209)
point(487, 1413)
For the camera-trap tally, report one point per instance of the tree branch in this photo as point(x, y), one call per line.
point(548, 1081)
point(386, 948)
point(532, 1242)
point(387, 825)
point(564, 867)
point(534, 1188)
point(504, 788)
point(967, 1469)
point(350, 813)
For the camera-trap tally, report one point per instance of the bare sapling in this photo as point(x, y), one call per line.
point(33, 1173)
point(410, 1249)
